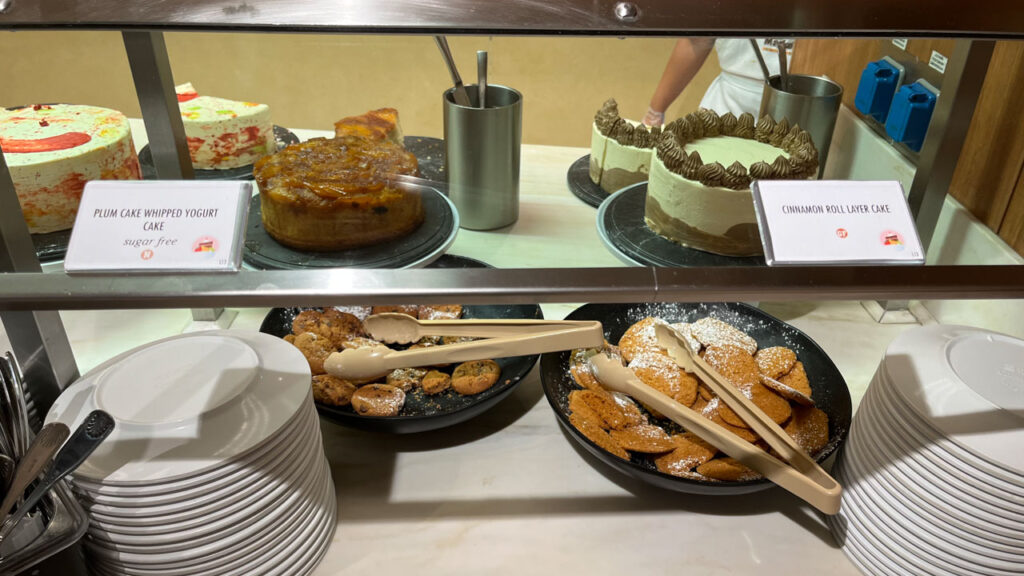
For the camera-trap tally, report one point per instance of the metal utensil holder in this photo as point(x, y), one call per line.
point(67, 524)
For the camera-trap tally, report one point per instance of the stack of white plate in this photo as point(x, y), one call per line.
point(933, 470)
point(216, 465)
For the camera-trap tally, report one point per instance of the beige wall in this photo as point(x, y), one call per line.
point(311, 80)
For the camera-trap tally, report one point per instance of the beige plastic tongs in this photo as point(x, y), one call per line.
point(801, 476)
point(502, 338)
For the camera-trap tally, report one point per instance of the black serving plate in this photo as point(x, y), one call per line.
point(620, 223)
point(282, 136)
point(429, 152)
point(424, 245)
point(581, 185)
point(52, 246)
point(422, 412)
point(827, 384)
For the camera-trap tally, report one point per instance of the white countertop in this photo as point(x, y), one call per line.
point(509, 492)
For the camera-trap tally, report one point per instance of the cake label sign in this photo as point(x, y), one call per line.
point(159, 226)
point(835, 222)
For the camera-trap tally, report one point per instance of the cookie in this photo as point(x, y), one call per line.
point(609, 414)
point(664, 375)
point(315, 348)
point(406, 378)
point(640, 339)
point(727, 469)
point(713, 332)
point(713, 412)
point(579, 408)
point(646, 438)
point(340, 326)
point(332, 390)
point(408, 310)
point(704, 392)
point(306, 321)
point(378, 400)
point(734, 364)
point(436, 382)
point(598, 436)
point(786, 392)
point(476, 376)
point(797, 380)
point(579, 369)
point(808, 428)
point(630, 411)
point(775, 361)
point(691, 451)
point(358, 342)
point(773, 405)
point(440, 312)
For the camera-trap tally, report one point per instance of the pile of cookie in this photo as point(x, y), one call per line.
point(773, 378)
point(320, 333)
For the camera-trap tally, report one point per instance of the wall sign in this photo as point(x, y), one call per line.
point(159, 226)
point(806, 222)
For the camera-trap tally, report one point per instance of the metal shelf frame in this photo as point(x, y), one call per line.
point(29, 299)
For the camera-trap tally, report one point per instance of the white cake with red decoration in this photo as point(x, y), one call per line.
point(224, 134)
point(53, 150)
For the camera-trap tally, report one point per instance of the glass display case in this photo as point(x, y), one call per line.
point(504, 492)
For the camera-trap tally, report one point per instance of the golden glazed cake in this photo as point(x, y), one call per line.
point(620, 149)
point(333, 194)
point(698, 193)
point(380, 124)
point(52, 151)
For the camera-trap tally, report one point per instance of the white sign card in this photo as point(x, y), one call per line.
point(158, 226)
point(806, 222)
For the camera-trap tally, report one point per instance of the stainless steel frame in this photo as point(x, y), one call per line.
point(486, 286)
point(40, 337)
point(979, 19)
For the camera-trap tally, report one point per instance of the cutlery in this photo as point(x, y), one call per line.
point(760, 60)
point(360, 364)
point(783, 72)
point(459, 94)
point(38, 455)
point(90, 434)
point(481, 77)
point(404, 329)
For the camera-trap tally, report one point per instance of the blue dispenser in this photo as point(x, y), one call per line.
point(910, 113)
point(877, 86)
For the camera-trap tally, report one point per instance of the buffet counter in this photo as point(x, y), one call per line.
point(509, 492)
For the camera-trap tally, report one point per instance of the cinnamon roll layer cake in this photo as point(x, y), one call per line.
point(52, 151)
point(620, 149)
point(334, 194)
point(698, 193)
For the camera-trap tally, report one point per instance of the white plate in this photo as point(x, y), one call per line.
point(186, 404)
point(186, 488)
point(944, 526)
point(903, 533)
point(872, 459)
point(891, 481)
point(199, 520)
point(201, 500)
point(967, 383)
point(197, 542)
point(282, 559)
point(273, 541)
point(933, 442)
point(910, 459)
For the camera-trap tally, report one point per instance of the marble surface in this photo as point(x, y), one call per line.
point(509, 492)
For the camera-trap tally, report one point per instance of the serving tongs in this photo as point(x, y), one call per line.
point(501, 338)
point(797, 472)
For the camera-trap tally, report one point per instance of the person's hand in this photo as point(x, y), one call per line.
point(653, 118)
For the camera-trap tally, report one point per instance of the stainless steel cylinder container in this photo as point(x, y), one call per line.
point(482, 156)
point(810, 101)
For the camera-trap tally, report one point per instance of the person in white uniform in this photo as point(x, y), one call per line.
point(737, 89)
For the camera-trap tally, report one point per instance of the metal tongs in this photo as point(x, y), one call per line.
point(797, 473)
point(502, 338)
